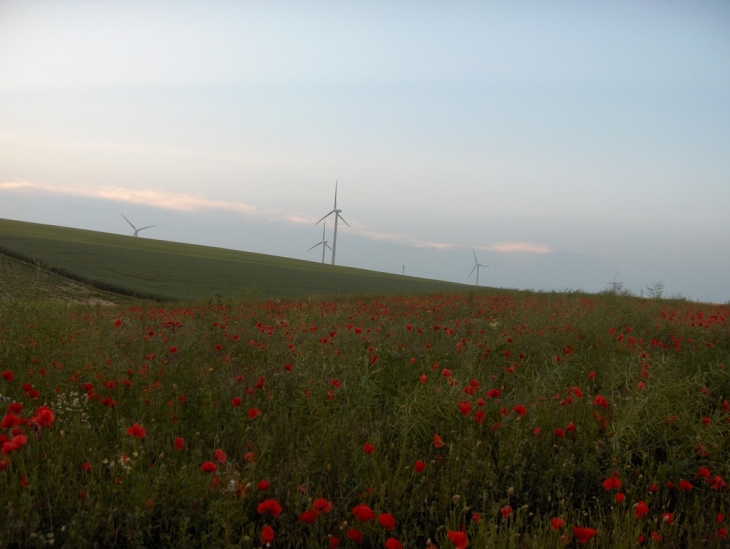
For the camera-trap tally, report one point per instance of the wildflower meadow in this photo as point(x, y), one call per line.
point(510, 419)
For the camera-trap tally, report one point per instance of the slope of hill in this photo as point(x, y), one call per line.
point(22, 281)
point(168, 270)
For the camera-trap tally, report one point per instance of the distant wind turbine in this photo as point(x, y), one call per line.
point(477, 265)
point(323, 243)
point(136, 230)
point(337, 216)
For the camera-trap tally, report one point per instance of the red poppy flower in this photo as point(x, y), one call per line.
point(419, 466)
point(270, 506)
point(236, 402)
point(392, 543)
point(570, 428)
point(179, 443)
point(220, 455)
point(600, 401)
point(253, 413)
point(363, 513)
point(559, 432)
point(611, 482)
point(423, 378)
point(620, 497)
point(308, 517)
point(459, 539)
point(387, 521)
point(267, 534)
point(667, 518)
point(506, 511)
point(464, 408)
point(717, 483)
point(641, 509)
point(493, 393)
point(476, 517)
point(321, 505)
point(8, 376)
point(10, 420)
point(583, 534)
point(536, 431)
point(208, 467)
point(704, 472)
point(15, 408)
point(520, 409)
point(437, 442)
point(262, 485)
point(137, 430)
point(334, 543)
point(86, 467)
point(368, 448)
point(355, 535)
point(480, 416)
point(557, 523)
point(686, 486)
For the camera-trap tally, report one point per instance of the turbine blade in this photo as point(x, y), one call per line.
point(325, 217)
point(472, 271)
point(330, 247)
point(343, 220)
point(475, 256)
point(335, 195)
point(313, 247)
point(148, 227)
point(128, 221)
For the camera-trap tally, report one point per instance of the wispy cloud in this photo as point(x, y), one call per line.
point(187, 202)
point(512, 247)
point(148, 197)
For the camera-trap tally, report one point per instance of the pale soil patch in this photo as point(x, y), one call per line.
point(25, 282)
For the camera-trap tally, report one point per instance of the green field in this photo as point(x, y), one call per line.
point(509, 420)
point(172, 271)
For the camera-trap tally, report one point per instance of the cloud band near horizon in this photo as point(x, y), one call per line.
point(187, 202)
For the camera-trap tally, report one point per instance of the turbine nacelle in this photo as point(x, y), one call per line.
point(136, 230)
point(476, 267)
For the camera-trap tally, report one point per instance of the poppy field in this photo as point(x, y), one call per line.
point(511, 419)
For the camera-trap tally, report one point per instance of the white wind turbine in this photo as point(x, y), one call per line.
point(477, 265)
point(323, 243)
point(136, 230)
point(337, 216)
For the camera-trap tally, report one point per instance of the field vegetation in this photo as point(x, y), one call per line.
point(166, 271)
point(509, 419)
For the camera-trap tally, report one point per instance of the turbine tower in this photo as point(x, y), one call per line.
point(323, 243)
point(477, 265)
point(136, 230)
point(337, 216)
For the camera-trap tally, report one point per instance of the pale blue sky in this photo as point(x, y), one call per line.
point(564, 140)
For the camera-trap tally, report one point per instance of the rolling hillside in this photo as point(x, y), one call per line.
point(172, 271)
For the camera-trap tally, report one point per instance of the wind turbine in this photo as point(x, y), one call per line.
point(323, 243)
point(136, 230)
point(477, 265)
point(337, 216)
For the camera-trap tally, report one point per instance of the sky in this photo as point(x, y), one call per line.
point(566, 144)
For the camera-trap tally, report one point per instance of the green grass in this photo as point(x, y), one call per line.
point(23, 281)
point(329, 377)
point(171, 271)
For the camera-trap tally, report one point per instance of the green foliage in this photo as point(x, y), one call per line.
point(329, 377)
point(164, 271)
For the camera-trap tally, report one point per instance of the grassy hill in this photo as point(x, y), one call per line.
point(172, 271)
